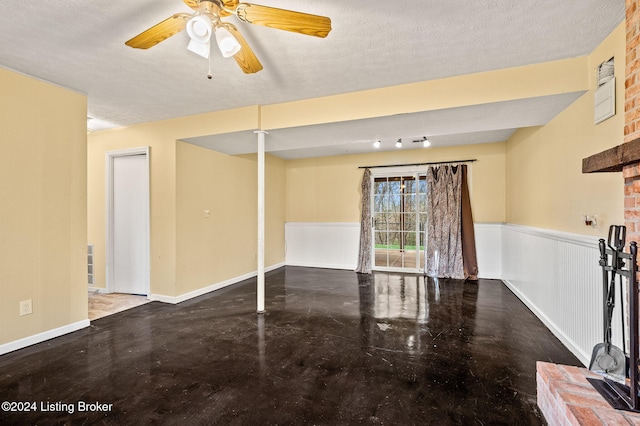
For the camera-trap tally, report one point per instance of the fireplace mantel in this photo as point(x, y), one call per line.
point(614, 159)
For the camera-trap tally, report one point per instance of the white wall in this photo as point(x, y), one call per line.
point(322, 244)
point(489, 249)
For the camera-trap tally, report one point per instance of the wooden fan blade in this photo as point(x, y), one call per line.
point(228, 4)
point(159, 32)
point(245, 58)
point(288, 20)
point(193, 4)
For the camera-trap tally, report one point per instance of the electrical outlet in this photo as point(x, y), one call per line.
point(26, 307)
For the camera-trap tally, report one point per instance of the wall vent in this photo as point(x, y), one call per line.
point(604, 98)
point(90, 277)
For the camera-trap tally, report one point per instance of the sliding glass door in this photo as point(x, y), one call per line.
point(399, 217)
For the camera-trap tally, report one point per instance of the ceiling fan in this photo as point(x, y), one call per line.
point(207, 21)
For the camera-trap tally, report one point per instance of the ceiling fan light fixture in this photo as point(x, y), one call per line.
point(201, 49)
point(199, 29)
point(227, 43)
point(207, 20)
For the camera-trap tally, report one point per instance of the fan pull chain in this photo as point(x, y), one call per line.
point(209, 75)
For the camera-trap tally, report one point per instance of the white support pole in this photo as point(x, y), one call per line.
point(260, 254)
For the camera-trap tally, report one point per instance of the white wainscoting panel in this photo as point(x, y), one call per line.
point(489, 249)
point(557, 275)
point(335, 245)
point(322, 244)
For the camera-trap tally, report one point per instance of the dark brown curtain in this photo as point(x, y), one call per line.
point(469, 259)
point(364, 254)
point(450, 238)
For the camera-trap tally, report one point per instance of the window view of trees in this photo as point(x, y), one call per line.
point(399, 210)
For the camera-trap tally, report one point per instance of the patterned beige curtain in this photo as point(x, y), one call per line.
point(364, 255)
point(444, 241)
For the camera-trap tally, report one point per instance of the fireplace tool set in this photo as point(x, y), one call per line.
point(619, 385)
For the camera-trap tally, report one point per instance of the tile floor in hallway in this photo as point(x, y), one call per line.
point(334, 348)
point(104, 304)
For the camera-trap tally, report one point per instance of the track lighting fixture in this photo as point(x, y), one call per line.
point(376, 144)
point(399, 143)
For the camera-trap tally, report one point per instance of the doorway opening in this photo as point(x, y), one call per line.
point(399, 211)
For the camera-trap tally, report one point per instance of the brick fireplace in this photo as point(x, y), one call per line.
point(564, 395)
point(631, 172)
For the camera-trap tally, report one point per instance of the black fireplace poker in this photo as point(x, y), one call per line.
point(620, 396)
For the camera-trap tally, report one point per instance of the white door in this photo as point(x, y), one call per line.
point(130, 216)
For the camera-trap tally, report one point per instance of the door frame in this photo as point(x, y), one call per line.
point(109, 175)
point(398, 171)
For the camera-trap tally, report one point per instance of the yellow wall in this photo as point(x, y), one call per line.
point(275, 210)
point(162, 200)
point(545, 184)
point(528, 81)
point(42, 206)
point(183, 243)
point(327, 189)
point(223, 246)
point(162, 139)
point(46, 191)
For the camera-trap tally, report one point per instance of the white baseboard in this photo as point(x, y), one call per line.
point(323, 265)
point(57, 332)
point(208, 289)
point(100, 290)
point(41, 337)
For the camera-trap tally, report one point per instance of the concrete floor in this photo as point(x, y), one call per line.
point(334, 348)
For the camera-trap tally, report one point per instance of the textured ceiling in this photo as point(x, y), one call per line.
point(80, 45)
